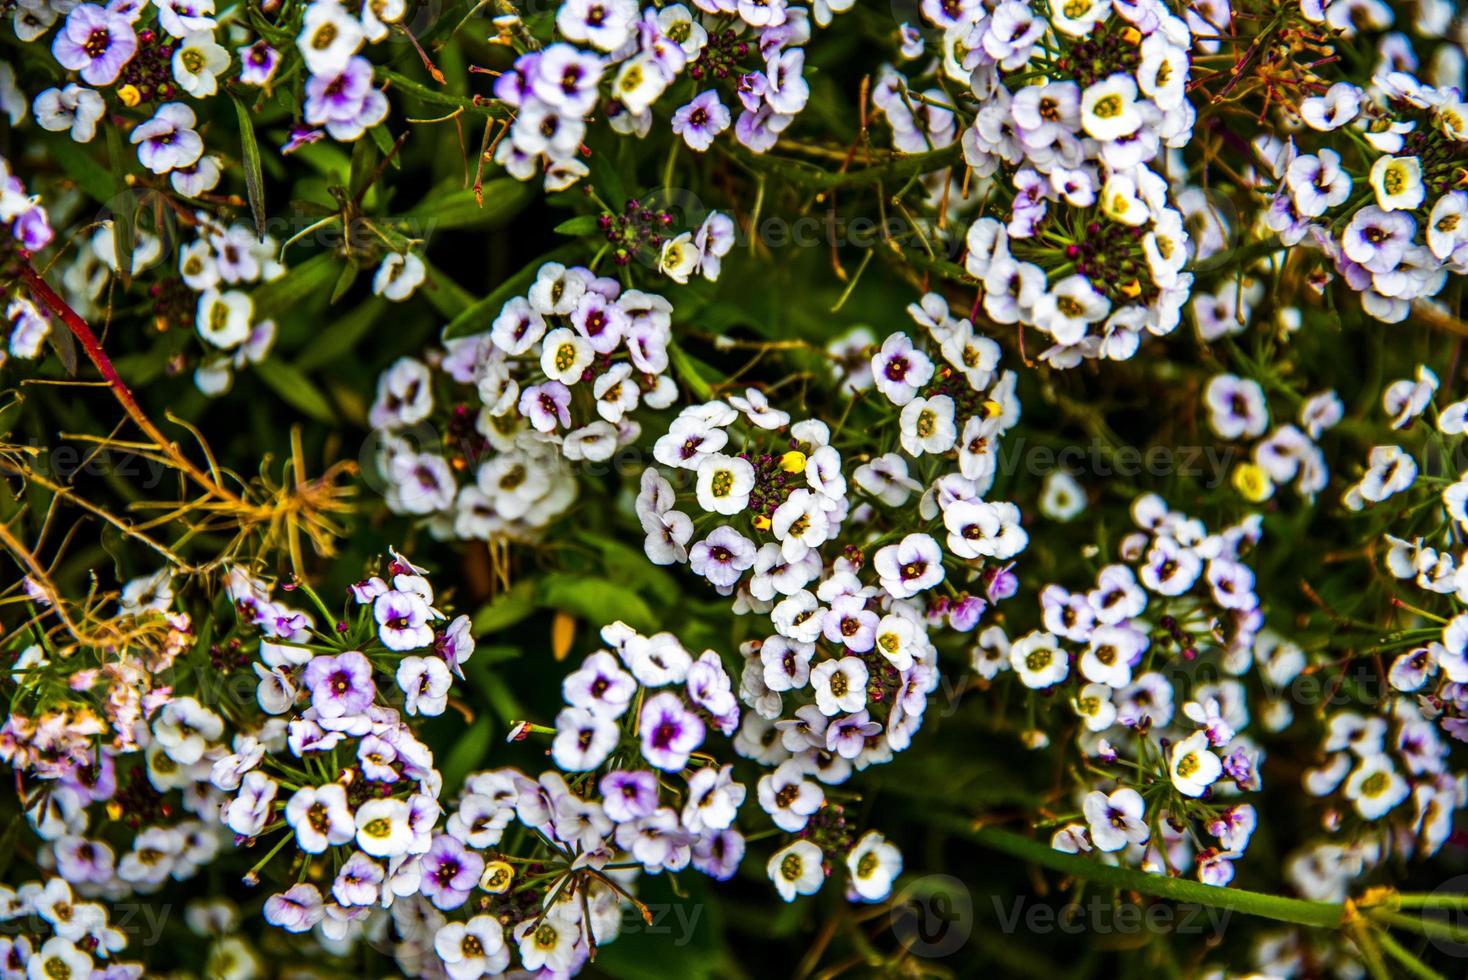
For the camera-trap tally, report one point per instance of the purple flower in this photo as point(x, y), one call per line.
point(456, 645)
point(629, 795)
point(701, 120)
point(168, 140)
point(761, 128)
point(450, 871)
point(718, 854)
point(296, 909)
point(402, 620)
point(722, 557)
point(301, 136)
point(848, 736)
point(97, 42)
point(340, 685)
point(670, 732)
point(358, 881)
point(345, 103)
point(964, 615)
point(600, 686)
point(546, 406)
point(257, 63)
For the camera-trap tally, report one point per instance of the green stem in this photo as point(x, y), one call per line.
point(1322, 915)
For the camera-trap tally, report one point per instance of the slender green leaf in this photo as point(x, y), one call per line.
point(299, 283)
point(582, 224)
point(504, 198)
point(292, 384)
point(123, 218)
point(250, 152)
point(506, 609)
point(337, 340)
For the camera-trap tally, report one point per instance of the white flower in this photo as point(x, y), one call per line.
point(1375, 787)
point(910, 566)
point(1062, 498)
point(58, 957)
point(584, 739)
point(874, 863)
point(1317, 183)
point(897, 637)
point(197, 62)
point(679, 258)
point(472, 949)
point(1334, 109)
point(1398, 183)
point(1120, 201)
point(425, 683)
point(1193, 767)
point(1093, 705)
point(1406, 399)
point(1038, 660)
point(1236, 406)
point(398, 276)
point(899, 369)
point(329, 37)
point(1066, 310)
point(800, 524)
point(796, 870)
point(1109, 108)
point(639, 83)
point(1109, 657)
point(1116, 820)
point(840, 685)
point(224, 318)
point(565, 355)
point(74, 107)
point(1447, 225)
point(1163, 72)
point(320, 816)
point(927, 426)
point(724, 483)
point(383, 828)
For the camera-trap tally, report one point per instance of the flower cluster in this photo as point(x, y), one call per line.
point(1374, 179)
point(49, 933)
point(1074, 115)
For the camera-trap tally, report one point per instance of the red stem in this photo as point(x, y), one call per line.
point(83, 333)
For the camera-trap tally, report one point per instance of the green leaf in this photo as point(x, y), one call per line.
point(689, 372)
point(298, 284)
point(344, 281)
point(448, 297)
point(479, 315)
point(384, 142)
point(506, 609)
point(254, 179)
point(94, 179)
point(292, 385)
point(582, 224)
point(598, 600)
point(337, 340)
point(121, 202)
point(469, 752)
point(504, 198)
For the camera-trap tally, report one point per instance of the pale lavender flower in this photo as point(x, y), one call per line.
point(450, 872)
point(629, 795)
point(168, 139)
point(670, 732)
point(296, 909)
point(97, 42)
point(341, 685)
point(402, 620)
